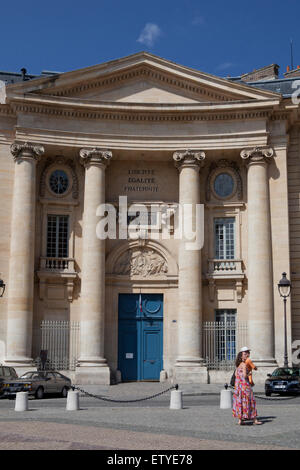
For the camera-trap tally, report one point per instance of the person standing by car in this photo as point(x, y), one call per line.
point(244, 404)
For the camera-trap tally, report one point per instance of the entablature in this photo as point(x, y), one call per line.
point(225, 140)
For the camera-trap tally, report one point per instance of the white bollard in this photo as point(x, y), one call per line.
point(225, 399)
point(72, 400)
point(176, 400)
point(21, 401)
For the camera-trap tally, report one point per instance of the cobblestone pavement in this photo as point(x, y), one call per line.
point(201, 424)
point(37, 435)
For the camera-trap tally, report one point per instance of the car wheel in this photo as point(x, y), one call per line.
point(39, 394)
point(64, 392)
point(268, 394)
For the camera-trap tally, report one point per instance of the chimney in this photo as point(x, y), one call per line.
point(292, 73)
point(24, 71)
point(269, 72)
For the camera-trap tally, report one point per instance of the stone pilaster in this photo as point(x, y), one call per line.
point(189, 363)
point(21, 267)
point(93, 368)
point(259, 271)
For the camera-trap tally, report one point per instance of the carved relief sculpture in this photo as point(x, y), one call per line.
point(141, 262)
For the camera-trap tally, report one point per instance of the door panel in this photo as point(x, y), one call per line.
point(50, 384)
point(152, 353)
point(128, 349)
point(140, 345)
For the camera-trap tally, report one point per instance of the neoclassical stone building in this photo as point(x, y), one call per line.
point(164, 136)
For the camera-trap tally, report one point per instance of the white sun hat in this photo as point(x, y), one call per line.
point(244, 349)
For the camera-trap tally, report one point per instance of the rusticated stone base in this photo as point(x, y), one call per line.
point(92, 375)
point(189, 375)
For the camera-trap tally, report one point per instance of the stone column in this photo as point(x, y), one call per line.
point(189, 363)
point(93, 368)
point(21, 266)
point(260, 272)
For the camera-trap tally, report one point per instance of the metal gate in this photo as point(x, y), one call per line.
point(61, 341)
point(221, 343)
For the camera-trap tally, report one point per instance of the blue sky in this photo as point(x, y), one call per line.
point(219, 37)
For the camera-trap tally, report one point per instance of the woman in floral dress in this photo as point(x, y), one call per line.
point(244, 405)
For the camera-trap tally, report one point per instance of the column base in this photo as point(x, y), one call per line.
point(92, 375)
point(191, 374)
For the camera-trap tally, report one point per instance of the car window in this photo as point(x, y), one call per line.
point(6, 372)
point(277, 372)
point(283, 371)
point(13, 373)
point(27, 375)
point(46, 375)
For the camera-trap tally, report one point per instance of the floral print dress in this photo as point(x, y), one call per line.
point(243, 402)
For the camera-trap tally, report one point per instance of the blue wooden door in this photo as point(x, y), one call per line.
point(140, 345)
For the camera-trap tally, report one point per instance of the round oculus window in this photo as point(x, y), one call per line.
point(59, 181)
point(224, 185)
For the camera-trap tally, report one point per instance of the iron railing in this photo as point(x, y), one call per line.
point(61, 340)
point(221, 343)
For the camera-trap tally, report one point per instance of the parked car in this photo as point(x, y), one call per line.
point(6, 373)
point(38, 384)
point(283, 380)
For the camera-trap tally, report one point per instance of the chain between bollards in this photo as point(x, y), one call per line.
point(265, 398)
point(122, 401)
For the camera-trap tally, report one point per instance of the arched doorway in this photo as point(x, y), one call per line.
point(141, 278)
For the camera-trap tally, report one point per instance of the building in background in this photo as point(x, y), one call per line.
point(164, 136)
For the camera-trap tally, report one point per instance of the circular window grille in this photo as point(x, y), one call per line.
point(224, 185)
point(59, 182)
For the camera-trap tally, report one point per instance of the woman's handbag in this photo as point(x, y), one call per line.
point(232, 380)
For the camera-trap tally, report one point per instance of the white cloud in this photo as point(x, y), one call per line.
point(198, 20)
point(225, 66)
point(149, 34)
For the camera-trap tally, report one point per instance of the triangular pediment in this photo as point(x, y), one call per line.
point(140, 78)
point(140, 90)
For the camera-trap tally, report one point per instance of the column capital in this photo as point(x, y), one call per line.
point(26, 151)
point(257, 154)
point(95, 156)
point(189, 158)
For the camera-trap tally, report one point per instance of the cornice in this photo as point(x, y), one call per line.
point(132, 141)
point(143, 112)
point(7, 110)
point(6, 137)
point(280, 115)
point(142, 72)
point(141, 65)
point(77, 103)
